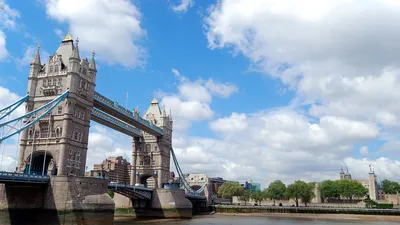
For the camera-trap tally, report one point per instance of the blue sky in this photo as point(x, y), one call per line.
point(216, 65)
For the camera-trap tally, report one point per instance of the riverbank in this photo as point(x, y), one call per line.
point(317, 216)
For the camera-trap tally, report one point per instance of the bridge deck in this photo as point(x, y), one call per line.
point(7, 177)
point(114, 109)
point(132, 191)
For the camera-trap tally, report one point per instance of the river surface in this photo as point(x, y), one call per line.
point(41, 218)
point(248, 220)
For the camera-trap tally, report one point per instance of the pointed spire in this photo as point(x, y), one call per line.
point(170, 114)
point(92, 65)
point(137, 110)
point(163, 114)
point(36, 58)
point(75, 52)
point(341, 169)
point(67, 37)
point(154, 101)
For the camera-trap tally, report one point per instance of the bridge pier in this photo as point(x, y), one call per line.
point(71, 199)
point(164, 204)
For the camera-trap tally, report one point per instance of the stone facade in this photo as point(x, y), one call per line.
point(151, 154)
point(62, 136)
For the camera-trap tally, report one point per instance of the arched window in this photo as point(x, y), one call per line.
point(51, 69)
point(58, 132)
point(44, 83)
point(155, 148)
point(148, 147)
point(56, 68)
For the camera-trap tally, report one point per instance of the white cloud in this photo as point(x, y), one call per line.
point(3, 49)
point(192, 102)
point(112, 28)
point(234, 123)
point(364, 150)
point(183, 6)
point(8, 16)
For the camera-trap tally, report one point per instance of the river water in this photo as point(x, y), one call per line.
point(39, 218)
point(247, 220)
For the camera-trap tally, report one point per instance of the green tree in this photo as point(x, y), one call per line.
point(390, 187)
point(300, 190)
point(229, 189)
point(351, 189)
point(276, 190)
point(110, 193)
point(245, 197)
point(257, 196)
point(329, 189)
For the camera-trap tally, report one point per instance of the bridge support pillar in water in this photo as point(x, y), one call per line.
point(64, 200)
point(164, 204)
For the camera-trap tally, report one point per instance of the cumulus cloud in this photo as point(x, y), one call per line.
point(183, 6)
point(8, 20)
point(29, 53)
point(193, 99)
point(339, 57)
point(111, 27)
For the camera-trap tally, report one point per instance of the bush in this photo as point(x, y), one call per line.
point(373, 204)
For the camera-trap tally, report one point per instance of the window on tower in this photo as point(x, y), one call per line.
point(51, 69)
point(56, 68)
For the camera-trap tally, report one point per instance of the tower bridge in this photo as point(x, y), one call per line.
point(54, 132)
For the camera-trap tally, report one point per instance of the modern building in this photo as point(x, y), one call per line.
point(115, 168)
point(251, 186)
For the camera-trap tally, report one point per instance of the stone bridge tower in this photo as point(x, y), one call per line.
point(151, 154)
point(59, 141)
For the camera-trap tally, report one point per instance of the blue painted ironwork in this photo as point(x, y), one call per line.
point(10, 108)
point(131, 191)
point(121, 110)
point(7, 177)
point(31, 118)
point(101, 117)
point(182, 176)
point(195, 196)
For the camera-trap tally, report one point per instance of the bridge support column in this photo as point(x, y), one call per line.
point(135, 146)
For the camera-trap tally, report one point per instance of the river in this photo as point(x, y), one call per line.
point(248, 220)
point(41, 218)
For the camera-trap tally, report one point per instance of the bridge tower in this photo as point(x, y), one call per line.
point(59, 141)
point(151, 154)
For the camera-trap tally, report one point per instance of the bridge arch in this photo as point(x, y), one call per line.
point(39, 159)
point(148, 180)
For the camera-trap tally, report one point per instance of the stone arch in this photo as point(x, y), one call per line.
point(195, 187)
point(148, 181)
point(39, 159)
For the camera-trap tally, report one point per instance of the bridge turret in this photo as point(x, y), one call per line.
point(35, 67)
point(92, 68)
point(74, 59)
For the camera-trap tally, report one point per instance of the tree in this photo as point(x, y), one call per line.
point(245, 197)
point(351, 188)
point(276, 190)
point(110, 193)
point(329, 189)
point(300, 190)
point(257, 196)
point(390, 187)
point(229, 189)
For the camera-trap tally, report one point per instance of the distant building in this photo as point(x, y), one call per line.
point(251, 186)
point(113, 168)
point(374, 191)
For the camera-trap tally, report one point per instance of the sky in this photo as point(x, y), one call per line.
point(259, 90)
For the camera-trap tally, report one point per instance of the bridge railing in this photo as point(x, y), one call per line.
point(21, 177)
point(115, 106)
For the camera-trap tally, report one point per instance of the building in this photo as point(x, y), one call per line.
point(251, 186)
point(374, 192)
point(115, 168)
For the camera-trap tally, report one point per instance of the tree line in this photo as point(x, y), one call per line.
point(298, 190)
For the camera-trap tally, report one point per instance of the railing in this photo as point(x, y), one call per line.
point(101, 115)
point(142, 191)
point(115, 106)
point(21, 177)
